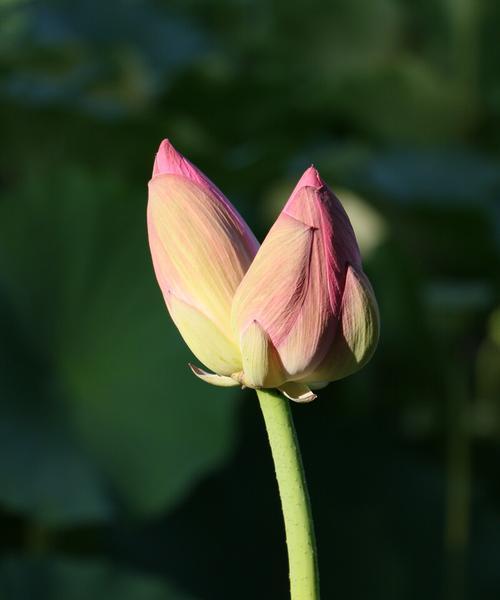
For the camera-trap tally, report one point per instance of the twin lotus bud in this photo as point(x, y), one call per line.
point(293, 314)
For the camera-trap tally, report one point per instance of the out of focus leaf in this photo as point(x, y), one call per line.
point(44, 475)
point(403, 99)
point(58, 53)
point(112, 366)
point(56, 578)
point(451, 179)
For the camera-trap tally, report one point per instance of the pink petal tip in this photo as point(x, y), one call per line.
point(169, 161)
point(310, 178)
point(166, 159)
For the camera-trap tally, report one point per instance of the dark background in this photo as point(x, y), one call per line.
point(123, 477)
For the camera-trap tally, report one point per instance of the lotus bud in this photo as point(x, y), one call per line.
point(201, 249)
point(305, 313)
point(294, 315)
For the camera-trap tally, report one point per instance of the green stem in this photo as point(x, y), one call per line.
point(304, 576)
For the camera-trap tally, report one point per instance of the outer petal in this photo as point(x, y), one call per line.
point(322, 209)
point(212, 378)
point(298, 392)
point(170, 162)
point(261, 363)
point(360, 317)
point(357, 336)
point(206, 341)
point(200, 247)
point(279, 291)
point(294, 285)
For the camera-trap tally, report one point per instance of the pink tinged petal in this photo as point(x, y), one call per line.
point(310, 178)
point(358, 334)
point(294, 286)
point(312, 202)
point(261, 363)
point(284, 291)
point(200, 247)
point(170, 162)
point(206, 341)
point(276, 279)
point(212, 378)
point(298, 392)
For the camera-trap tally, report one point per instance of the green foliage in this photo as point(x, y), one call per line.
point(111, 373)
point(57, 578)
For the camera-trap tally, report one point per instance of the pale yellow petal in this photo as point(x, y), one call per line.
point(201, 247)
point(360, 317)
point(204, 338)
point(298, 392)
point(261, 363)
point(213, 378)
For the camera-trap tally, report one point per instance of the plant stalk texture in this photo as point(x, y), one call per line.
point(302, 557)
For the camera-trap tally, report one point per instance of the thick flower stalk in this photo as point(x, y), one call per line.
point(294, 314)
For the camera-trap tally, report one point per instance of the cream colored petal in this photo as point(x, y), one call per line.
point(298, 392)
point(201, 248)
point(261, 363)
point(212, 378)
point(204, 338)
point(360, 317)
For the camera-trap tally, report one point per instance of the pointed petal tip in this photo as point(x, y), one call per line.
point(165, 145)
point(168, 160)
point(166, 148)
point(196, 370)
point(163, 158)
point(310, 178)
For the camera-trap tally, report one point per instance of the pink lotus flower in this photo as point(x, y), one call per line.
point(294, 314)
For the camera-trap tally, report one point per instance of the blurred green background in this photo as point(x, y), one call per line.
point(123, 477)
